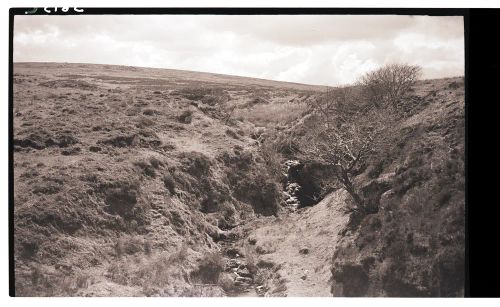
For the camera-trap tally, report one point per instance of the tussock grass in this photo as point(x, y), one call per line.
point(45, 281)
point(271, 114)
point(209, 268)
point(149, 272)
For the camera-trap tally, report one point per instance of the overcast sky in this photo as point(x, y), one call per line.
point(316, 49)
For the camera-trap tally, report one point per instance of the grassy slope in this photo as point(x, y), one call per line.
point(156, 77)
point(414, 245)
point(114, 189)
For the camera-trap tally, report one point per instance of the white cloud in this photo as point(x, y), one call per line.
point(315, 49)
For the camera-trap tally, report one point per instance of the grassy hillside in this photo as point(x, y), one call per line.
point(136, 181)
point(415, 244)
point(117, 170)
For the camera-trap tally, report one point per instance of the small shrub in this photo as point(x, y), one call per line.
point(265, 264)
point(121, 140)
point(144, 122)
point(147, 169)
point(196, 163)
point(250, 257)
point(186, 117)
point(444, 197)
point(390, 83)
point(129, 246)
point(169, 182)
point(133, 245)
point(454, 85)
point(180, 255)
point(354, 278)
point(155, 162)
point(95, 148)
point(122, 199)
point(82, 280)
point(210, 268)
point(29, 249)
point(272, 159)
point(117, 273)
point(150, 112)
point(47, 187)
point(226, 283)
point(232, 134)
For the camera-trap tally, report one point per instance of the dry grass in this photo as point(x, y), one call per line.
point(209, 269)
point(271, 114)
point(419, 227)
point(78, 189)
point(149, 272)
point(47, 282)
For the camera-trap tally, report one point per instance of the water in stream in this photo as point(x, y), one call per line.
point(236, 264)
point(292, 188)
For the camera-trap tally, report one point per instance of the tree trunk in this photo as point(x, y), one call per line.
point(346, 182)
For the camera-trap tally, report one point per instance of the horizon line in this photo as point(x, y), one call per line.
point(213, 73)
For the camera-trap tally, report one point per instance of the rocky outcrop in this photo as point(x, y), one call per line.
point(303, 183)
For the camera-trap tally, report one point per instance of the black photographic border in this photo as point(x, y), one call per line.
point(483, 17)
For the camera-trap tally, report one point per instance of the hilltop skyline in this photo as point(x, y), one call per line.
point(320, 49)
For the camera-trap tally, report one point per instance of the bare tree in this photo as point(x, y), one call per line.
point(389, 83)
point(352, 122)
point(344, 138)
point(335, 104)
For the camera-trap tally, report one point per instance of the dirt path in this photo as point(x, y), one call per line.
point(300, 246)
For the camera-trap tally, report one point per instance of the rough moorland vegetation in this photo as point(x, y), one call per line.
point(126, 181)
point(134, 181)
point(397, 147)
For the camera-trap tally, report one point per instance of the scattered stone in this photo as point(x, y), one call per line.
point(233, 263)
point(234, 252)
point(245, 273)
point(290, 163)
point(291, 200)
point(244, 279)
point(292, 188)
point(304, 251)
